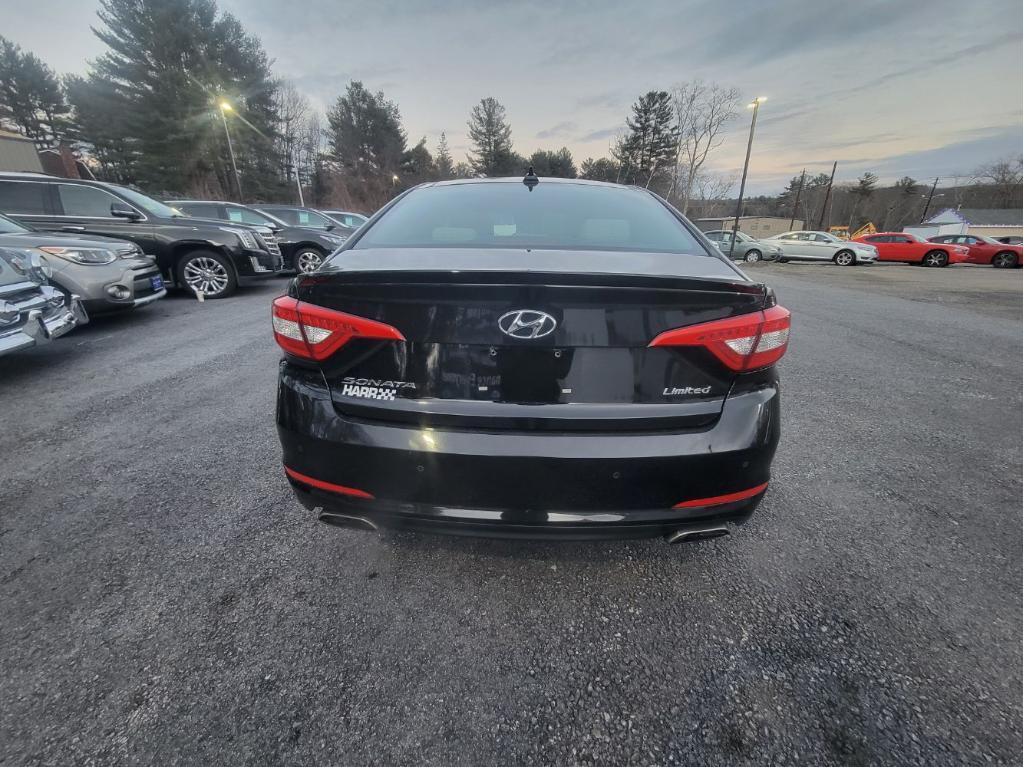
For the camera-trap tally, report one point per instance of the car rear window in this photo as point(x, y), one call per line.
point(556, 216)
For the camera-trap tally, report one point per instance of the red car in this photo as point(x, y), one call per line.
point(984, 250)
point(900, 246)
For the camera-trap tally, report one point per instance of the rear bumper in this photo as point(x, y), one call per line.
point(520, 484)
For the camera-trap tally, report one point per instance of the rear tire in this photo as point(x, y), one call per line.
point(845, 258)
point(935, 258)
point(207, 271)
point(752, 256)
point(1004, 260)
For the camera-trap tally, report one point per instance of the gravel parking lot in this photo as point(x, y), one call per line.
point(165, 601)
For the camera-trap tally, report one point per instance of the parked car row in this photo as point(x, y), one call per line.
point(201, 255)
point(305, 237)
point(903, 247)
point(73, 247)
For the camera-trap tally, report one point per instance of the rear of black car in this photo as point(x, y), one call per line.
point(570, 361)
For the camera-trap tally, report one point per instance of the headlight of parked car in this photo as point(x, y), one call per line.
point(247, 238)
point(82, 255)
point(334, 239)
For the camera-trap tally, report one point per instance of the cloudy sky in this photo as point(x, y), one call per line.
point(901, 87)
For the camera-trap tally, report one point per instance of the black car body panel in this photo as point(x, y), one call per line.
point(39, 201)
point(290, 239)
point(584, 431)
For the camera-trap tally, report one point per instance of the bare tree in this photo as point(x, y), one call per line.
point(712, 191)
point(292, 111)
point(1005, 177)
point(701, 111)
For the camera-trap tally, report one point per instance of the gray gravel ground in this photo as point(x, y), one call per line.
point(165, 601)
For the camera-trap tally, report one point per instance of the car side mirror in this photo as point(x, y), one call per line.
point(331, 227)
point(120, 209)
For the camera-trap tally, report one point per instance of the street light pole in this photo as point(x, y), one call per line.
point(745, 168)
point(224, 108)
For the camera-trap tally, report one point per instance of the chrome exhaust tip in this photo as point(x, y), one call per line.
point(692, 534)
point(345, 520)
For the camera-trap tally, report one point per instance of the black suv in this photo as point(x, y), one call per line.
point(204, 256)
point(302, 248)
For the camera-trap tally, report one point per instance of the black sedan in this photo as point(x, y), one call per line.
point(554, 358)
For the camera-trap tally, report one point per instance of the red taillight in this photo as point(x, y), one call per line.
point(718, 500)
point(330, 487)
point(315, 333)
point(743, 343)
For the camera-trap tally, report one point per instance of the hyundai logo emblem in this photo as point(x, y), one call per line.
point(527, 323)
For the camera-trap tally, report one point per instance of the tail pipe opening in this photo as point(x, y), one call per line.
point(346, 520)
point(692, 534)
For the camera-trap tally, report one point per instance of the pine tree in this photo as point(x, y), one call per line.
point(417, 164)
point(151, 101)
point(445, 165)
point(600, 169)
point(649, 149)
point(367, 142)
point(365, 133)
point(32, 99)
point(490, 134)
point(558, 164)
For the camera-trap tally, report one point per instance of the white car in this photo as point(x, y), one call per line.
point(821, 246)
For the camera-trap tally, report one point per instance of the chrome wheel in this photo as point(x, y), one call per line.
point(935, 258)
point(752, 256)
point(845, 258)
point(206, 275)
point(308, 261)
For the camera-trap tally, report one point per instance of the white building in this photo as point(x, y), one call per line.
point(987, 222)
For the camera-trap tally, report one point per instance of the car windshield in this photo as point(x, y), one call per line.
point(148, 204)
point(556, 216)
point(7, 226)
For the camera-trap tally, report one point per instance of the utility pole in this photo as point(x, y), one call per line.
point(930, 197)
point(745, 168)
point(827, 197)
point(795, 205)
point(224, 108)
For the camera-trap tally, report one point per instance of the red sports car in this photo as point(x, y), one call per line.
point(900, 246)
point(984, 250)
